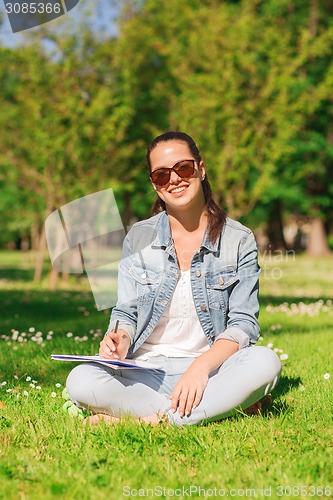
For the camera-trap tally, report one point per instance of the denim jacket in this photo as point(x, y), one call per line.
point(224, 280)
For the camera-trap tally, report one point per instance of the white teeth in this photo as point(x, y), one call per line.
point(178, 190)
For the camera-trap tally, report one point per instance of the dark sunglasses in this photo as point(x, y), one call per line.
point(184, 169)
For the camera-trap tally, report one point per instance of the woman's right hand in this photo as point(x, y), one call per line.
point(115, 345)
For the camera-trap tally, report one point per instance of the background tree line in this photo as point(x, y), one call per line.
point(251, 81)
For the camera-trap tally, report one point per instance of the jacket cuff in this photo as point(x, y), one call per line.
point(235, 334)
point(123, 325)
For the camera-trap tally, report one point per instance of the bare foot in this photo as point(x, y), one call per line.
point(259, 406)
point(254, 409)
point(109, 420)
point(154, 419)
point(100, 417)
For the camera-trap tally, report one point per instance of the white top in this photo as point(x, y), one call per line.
point(178, 332)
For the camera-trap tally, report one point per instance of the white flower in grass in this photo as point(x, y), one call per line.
point(261, 338)
point(32, 385)
point(58, 385)
point(53, 394)
point(9, 390)
point(25, 393)
point(270, 345)
point(48, 337)
point(3, 383)
point(69, 334)
point(34, 381)
point(28, 379)
point(15, 377)
point(31, 329)
point(38, 387)
point(302, 388)
point(327, 376)
point(283, 357)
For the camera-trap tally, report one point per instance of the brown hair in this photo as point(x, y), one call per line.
point(216, 216)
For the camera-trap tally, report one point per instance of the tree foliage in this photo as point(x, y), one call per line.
point(250, 80)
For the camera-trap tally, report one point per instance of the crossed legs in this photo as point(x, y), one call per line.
point(245, 378)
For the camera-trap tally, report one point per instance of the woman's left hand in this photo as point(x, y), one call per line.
point(189, 390)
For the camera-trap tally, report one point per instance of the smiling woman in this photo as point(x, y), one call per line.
point(188, 301)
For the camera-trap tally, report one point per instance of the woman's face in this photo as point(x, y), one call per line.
point(179, 193)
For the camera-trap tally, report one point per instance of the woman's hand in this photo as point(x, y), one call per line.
point(190, 387)
point(189, 390)
point(115, 345)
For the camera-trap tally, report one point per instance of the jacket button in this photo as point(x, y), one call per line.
point(143, 276)
point(198, 274)
point(203, 308)
point(221, 281)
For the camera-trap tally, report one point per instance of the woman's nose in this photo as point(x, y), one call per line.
point(174, 178)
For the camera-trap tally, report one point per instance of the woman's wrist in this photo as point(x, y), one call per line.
point(215, 356)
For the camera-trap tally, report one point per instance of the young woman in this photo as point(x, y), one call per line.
point(187, 301)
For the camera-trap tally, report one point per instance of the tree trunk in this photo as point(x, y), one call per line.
point(53, 278)
point(34, 236)
point(317, 246)
point(314, 17)
point(40, 256)
point(127, 213)
point(274, 230)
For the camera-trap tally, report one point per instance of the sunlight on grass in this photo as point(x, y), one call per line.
point(45, 453)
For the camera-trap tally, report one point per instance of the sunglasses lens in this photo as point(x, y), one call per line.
point(161, 176)
point(184, 169)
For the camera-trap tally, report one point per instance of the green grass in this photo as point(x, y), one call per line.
point(46, 454)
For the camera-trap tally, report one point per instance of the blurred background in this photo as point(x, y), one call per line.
point(250, 80)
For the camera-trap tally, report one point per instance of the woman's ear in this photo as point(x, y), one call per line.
point(202, 170)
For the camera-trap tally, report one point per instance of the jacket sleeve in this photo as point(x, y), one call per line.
point(126, 308)
point(243, 311)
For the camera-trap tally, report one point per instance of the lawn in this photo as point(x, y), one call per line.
point(44, 453)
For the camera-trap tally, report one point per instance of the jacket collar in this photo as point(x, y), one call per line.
point(163, 237)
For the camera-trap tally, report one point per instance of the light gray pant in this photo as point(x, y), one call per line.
point(243, 379)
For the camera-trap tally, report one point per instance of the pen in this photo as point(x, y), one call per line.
point(116, 327)
point(115, 331)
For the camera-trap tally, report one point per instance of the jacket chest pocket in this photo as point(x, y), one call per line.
point(146, 281)
point(219, 286)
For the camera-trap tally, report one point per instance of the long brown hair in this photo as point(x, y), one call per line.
point(216, 216)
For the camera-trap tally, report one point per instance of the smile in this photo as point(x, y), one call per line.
point(178, 189)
